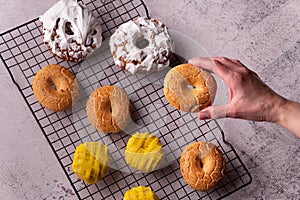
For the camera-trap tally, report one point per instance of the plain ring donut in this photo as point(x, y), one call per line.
point(108, 109)
point(189, 88)
point(202, 165)
point(141, 45)
point(55, 87)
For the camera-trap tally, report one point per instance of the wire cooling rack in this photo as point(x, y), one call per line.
point(24, 54)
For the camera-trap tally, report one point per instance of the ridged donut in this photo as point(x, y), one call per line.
point(108, 109)
point(55, 87)
point(189, 88)
point(202, 165)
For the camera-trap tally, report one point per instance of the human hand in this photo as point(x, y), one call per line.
point(250, 98)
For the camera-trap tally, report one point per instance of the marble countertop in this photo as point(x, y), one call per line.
point(264, 35)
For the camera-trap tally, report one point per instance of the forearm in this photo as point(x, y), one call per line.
point(250, 97)
point(289, 116)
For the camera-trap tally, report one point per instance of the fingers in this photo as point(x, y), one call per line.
point(213, 65)
point(213, 112)
point(237, 62)
point(205, 63)
point(234, 65)
point(225, 68)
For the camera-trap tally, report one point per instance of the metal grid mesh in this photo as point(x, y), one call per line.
point(24, 54)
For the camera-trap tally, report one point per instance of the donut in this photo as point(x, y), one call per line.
point(130, 56)
point(108, 109)
point(70, 30)
point(202, 165)
point(55, 87)
point(143, 152)
point(189, 88)
point(91, 161)
point(140, 192)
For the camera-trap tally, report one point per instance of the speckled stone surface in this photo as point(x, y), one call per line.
point(263, 34)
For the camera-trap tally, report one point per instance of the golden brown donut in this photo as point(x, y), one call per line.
point(189, 88)
point(108, 109)
point(55, 87)
point(202, 165)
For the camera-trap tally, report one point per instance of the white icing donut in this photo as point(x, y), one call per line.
point(126, 53)
point(70, 30)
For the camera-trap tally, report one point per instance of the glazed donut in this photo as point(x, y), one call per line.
point(189, 88)
point(108, 109)
point(202, 165)
point(127, 55)
point(55, 87)
point(70, 30)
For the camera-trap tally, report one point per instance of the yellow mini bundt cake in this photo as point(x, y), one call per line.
point(140, 193)
point(91, 160)
point(143, 152)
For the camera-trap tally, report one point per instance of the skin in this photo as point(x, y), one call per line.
point(250, 97)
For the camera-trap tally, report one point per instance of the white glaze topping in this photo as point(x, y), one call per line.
point(134, 59)
point(70, 30)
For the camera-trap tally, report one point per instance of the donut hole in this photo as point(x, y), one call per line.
point(201, 163)
point(53, 86)
point(94, 32)
point(190, 87)
point(186, 84)
point(68, 28)
point(56, 86)
point(141, 43)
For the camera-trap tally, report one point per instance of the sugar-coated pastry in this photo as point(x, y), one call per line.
point(140, 193)
point(108, 109)
point(202, 165)
point(189, 88)
point(55, 87)
point(70, 30)
point(91, 161)
point(127, 53)
point(143, 152)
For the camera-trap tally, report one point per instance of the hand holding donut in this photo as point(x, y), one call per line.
point(250, 97)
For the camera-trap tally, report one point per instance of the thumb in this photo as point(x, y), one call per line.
point(213, 112)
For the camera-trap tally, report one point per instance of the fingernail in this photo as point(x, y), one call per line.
point(204, 115)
